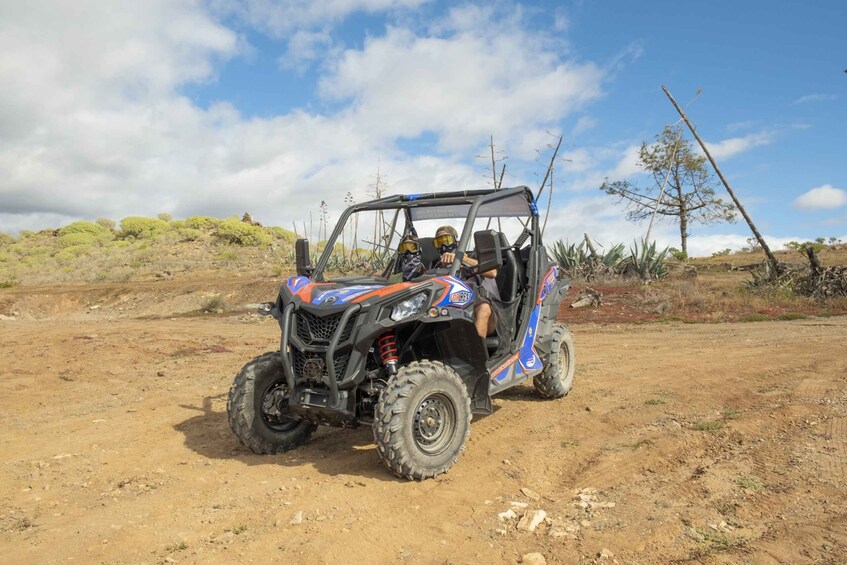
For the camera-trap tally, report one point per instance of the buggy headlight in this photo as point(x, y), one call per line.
point(409, 307)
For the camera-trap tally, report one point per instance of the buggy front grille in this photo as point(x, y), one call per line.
point(318, 330)
point(339, 363)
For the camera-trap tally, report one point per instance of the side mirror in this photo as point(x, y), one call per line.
point(487, 244)
point(302, 259)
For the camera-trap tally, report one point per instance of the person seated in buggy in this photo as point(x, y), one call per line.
point(446, 241)
point(409, 262)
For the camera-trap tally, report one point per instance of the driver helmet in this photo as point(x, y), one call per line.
point(446, 239)
point(409, 245)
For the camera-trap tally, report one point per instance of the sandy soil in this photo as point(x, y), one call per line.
point(720, 443)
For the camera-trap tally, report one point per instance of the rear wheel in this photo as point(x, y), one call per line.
point(556, 380)
point(257, 408)
point(422, 420)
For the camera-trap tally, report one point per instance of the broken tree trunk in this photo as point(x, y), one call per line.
point(588, 297)
point(775, 265)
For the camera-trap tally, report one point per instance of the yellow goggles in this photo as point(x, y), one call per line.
point(444, 239)
point(409, 246)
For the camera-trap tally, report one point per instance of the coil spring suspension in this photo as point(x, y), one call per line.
point(387, 345)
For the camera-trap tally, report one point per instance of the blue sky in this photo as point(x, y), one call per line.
point(220, 107)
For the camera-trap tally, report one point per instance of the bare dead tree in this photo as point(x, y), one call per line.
point(771, 258)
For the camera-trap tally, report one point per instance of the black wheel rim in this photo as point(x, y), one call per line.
point(275, 408)
point(435, 424)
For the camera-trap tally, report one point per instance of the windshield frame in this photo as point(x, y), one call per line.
point(474, 199)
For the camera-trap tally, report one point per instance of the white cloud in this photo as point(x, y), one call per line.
point(583, 124)
point(736, 145)
point(816, 98)
point(304, 47)
point(605, 163)
point(705, 245)
point(464, 85)
point(95, 124)
point(825, 197)
point(572, 217)
point(283, 18)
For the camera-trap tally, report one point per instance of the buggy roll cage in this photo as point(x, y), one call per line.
point(472, 199)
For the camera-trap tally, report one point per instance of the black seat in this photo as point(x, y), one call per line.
point(510, 273)
point(429, 254)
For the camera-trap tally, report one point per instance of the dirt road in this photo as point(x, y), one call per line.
point(711, 443)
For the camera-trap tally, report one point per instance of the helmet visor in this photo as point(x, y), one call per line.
point(444, 240)
point(409, 247)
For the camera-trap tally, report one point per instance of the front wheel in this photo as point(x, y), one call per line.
point(257, 408)
point(556, 380)
point(422, 420)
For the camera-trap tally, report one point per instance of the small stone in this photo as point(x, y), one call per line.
point(531, 520)
point(533, 559)
point(225, 538)
point(516, 504)
point(507, 515)
point(605, 554)
point(160, 373)
point(585, 524)
point(298, 518)
point(530, 494)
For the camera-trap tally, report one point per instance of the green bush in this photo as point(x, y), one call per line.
point(142, 228)
point(677, 254)
point(5, 257)
point(233, 230)
point(281, 233)
point(77, 250)
point(165, 217)
point(34, 251)
point(189, 234)
point(75, 239)
point(801, 247)
point(83, 227)
point(34, 260)
point(6, 239)
point(202, 222)
point(722, 253)
point(26, 234)
point(106, 223)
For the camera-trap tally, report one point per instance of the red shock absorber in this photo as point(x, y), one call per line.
point(387, 345)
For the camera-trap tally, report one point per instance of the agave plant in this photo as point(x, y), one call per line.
point(614, 257)
point(570, 256)
point(646, 261)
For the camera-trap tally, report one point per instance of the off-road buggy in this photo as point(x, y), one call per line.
point(404, 356)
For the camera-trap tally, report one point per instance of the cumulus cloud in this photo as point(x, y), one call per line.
point(736, 145)
point(463, 86)
point(304, 47)
point(825, 197)
point(96, 124)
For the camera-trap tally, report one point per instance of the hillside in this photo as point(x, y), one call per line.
point(164, 267)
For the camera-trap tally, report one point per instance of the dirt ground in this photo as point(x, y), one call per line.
point(715, 443)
